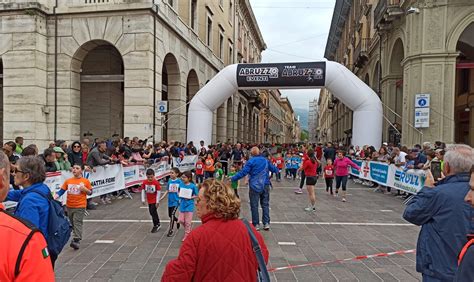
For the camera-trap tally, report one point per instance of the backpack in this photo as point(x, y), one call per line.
point(59, 227)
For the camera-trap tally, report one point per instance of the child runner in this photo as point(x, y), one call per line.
point(77, 189)
point(186, 205)
point(288, 173)
point(280, 162)
point(234, 184)
point(200, 170)
point(310, 169)
point(152, 188)
point(329, 175)
point(173, 199)
point(219, 172)
point(209, 167)
point(295, 160)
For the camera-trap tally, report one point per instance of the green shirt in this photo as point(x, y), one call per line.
point(219, 174)
point(234, 184)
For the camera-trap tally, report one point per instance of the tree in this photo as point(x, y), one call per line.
point(304, 135)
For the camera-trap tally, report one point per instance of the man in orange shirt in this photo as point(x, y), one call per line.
point(23, 248)
point(77, 189)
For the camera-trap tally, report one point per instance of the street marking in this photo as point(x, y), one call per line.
point(319, 263)
point(104, 241)
point(386, 210)
point(273, 222)
point(143, 207)
point(287, 243)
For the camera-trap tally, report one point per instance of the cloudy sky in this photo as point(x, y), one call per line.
point(294, 31)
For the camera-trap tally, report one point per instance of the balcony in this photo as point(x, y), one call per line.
point(361, 52)
point(387, 11)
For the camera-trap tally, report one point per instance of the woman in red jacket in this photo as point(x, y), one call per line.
point(220, 249)
point(310, 168)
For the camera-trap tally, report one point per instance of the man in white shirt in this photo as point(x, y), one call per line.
point(399, 156)
point(201, 145)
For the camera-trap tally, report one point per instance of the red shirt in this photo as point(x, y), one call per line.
point(329, 171)
point(200, 168)
point(151, 190)
point(280, 162)
point(310, 168)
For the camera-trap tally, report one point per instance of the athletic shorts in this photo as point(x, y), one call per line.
point(311, 180)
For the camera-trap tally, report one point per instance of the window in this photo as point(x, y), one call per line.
point(209, 30)
point(231, 12)
point(231, 53)
point(464, 83)
point(221, 42)
point(193, 16)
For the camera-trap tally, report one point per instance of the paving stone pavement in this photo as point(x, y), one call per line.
point(336, 231)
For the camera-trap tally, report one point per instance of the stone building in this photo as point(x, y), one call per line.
point(290, 125)
point(98, 68)
point(325, 116)
point(403, 48)
point(313, 121)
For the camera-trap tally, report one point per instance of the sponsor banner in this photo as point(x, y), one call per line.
point(162, 169)
point(106, 179)
point(410, 181)
point(131, 175)
point(186, 163)
point(310, 74)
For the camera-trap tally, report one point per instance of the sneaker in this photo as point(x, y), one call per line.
point(74, 244)
point(170, 233)
point(266, 226)
point(103, 201)
point(178, 225)
point(299, 191)
point(344, 199)
point(257, 227)
point(94, 203)
point(314, 210)
point(155, 228)
point(307, 209)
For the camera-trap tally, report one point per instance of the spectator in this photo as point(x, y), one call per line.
point(201, 145)
point(258, 169)
point(17, 236)
point(62, 161)
point(30, 150)
point(466, 257)
point(9, 150)
point(229, 255)
point(383, 155)
point(32, 206)
point(329, 152)
point(49, 158)
point(399, 157)
point(19, 145)
point(444, 216)
point(418, 159)
point(237, 156)
point(97, 156)
point(75, 154)
point(190, 150)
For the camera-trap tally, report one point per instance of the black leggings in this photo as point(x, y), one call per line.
point(303, 178)
point(341, 180)
point(328, 184)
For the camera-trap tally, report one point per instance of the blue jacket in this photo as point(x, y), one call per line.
point(446, 221)
point(258, 169)
point(31, 206)
point(466, 267)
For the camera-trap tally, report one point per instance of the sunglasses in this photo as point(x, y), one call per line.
point(76, 146)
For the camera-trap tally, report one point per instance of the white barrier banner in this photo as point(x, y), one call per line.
point(410, 181)
point(162, 169)
point(186, 163)
point(106, 179)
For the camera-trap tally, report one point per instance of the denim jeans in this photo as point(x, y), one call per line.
point(264, 199)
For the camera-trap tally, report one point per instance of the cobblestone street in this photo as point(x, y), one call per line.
point(118, 245)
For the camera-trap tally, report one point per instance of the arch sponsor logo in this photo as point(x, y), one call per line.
point(259, 74)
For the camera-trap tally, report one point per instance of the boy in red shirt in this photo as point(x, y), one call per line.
point(279, 162)
point(200, 171)
point(329, 175)
point(151, 187)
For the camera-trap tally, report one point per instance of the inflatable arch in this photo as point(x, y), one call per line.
point(342, 83)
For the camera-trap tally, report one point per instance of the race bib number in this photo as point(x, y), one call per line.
point(150, 189)
point(199, 166)
point(174, 188)
point(73, 189)
point(278, 162)
point(329, 172)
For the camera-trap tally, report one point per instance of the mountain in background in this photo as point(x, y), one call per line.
point(303, 114)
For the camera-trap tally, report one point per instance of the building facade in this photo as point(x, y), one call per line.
point(401, 48)
point(99, 68)
point(313, 121)
point(290, 125)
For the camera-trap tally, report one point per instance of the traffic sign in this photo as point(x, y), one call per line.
point(422, 117)
point(422, 100)
point(162, 106)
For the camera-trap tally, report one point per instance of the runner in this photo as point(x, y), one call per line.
point(173, 199)
point(310, 168)
point(152, 188)
point(329, 175)
point(341, 166)
point(188, 191)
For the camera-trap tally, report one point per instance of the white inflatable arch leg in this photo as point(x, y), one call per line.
point(342, 83)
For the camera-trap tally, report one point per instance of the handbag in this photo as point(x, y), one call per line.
point(262, 272)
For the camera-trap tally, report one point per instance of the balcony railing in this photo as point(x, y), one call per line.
point(360, 52)
point(386, 11)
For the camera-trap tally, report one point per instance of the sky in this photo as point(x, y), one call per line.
point(294, 31)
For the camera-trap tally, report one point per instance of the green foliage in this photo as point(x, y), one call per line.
point(304, 135)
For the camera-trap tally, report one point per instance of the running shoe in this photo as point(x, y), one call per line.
point(299, 191)
point(266, 226)
point(308, 209)
point(257, 227)
point(344, 199)
point(314, 209)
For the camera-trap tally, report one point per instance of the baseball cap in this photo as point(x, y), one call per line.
point(58, 150)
